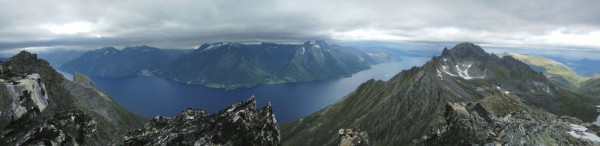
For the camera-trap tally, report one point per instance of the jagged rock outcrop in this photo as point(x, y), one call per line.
point(39, 106)
point(239, 124)
point(64, 128)
point(353, 137)
point(473, 124)
point(21, 95)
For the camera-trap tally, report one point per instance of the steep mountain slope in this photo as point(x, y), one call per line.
point(412, 104)
point(557, 72)
point(39, 106)
point(239, 124)
point(232, 65)
point(590, 87)
point(110, 62)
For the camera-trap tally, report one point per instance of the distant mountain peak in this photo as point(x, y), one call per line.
point(143, 47)
point(217, 45)
point(24, 55)
point(316, 44)
point(108, 48)
point(465, 50)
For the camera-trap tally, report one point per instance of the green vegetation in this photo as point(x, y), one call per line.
point(591, 87)
point(556, 71)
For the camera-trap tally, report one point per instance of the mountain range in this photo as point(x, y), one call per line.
point(232, 65)
point(465, 96)
point(415, 107)
point(383, 54)
point(111, 62)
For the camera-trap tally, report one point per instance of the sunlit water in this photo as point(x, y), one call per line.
point(150, 96)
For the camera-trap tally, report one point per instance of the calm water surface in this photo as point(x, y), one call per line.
point(150, 96)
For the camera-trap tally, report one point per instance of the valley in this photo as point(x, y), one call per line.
point(299, 73)
point(150, 96)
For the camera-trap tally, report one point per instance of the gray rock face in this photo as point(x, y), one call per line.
point(64, 128)
point(21, 95)
point(38, 106)
point(353, 137)
point(473, 124)
point(239, 124)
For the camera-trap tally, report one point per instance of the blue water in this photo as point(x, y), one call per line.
point(150, 96)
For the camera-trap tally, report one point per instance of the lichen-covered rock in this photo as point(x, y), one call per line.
point(353, 137)
point(473, 124)
point(64, 128)
point(239, 124)
point(21, 95)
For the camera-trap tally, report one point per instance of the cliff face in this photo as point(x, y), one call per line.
point(239, 124)
point(22, 95)
point(38, 106)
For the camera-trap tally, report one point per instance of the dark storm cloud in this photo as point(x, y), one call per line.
point(186, 23)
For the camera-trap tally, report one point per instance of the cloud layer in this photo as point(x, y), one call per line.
point(186, 23)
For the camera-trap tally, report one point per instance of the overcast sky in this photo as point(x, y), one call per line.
point(28, 24)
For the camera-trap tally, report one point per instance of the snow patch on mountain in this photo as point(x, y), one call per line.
point(578, 131)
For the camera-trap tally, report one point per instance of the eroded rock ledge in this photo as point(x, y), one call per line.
point(239, 124)
point(473, 124)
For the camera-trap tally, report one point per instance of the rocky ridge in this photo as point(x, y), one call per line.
point(413, 103)
point(473, 124)
point(239, 124)
point(39, 106)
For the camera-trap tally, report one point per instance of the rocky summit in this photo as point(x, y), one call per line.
point(239, 124)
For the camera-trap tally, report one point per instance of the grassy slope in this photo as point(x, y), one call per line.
point(557, 72)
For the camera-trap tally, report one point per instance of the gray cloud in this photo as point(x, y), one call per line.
point(186, 23)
